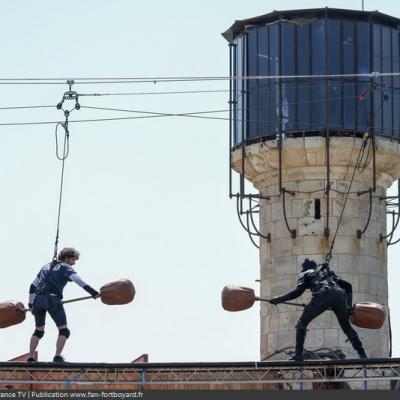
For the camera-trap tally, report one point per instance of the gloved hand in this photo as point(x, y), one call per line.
point(349, 311)
point(274, 300)
point(33, 310)
point(93, 292)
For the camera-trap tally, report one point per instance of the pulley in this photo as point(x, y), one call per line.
point(69, 95)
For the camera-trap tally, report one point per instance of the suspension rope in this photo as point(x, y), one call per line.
point(68, 95)
point(62, 159)
point(328, 257)
point(358, 168)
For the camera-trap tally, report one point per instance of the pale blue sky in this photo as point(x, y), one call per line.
point(144, 199)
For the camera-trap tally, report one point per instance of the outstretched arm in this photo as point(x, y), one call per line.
point(80, 282)
point(301, 287)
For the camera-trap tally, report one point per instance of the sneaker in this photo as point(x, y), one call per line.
point(31, 359)
point(59, 359)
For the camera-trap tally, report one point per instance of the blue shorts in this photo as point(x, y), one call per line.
point(56, 311)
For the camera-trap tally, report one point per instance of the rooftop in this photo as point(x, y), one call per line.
point(374, 16)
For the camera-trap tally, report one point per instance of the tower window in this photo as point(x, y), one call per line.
point(317, 209)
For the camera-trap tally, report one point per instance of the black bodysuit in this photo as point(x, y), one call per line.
point(329, 292)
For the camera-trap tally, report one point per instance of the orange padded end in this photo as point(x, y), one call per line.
point(237, 298)
point(118, 292)
point(11, 313)
point(368, 315)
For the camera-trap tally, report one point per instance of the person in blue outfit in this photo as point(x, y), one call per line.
point(45, 295)
point(328, 292)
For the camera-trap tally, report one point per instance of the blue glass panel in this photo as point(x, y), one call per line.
point(334, 87)
point(303, 85)
point(387, 81)
point(263, 84)
point(284, 48)
point(318, 68)
point(396, 82)
point(288, 69)
point(363, 67)
point(377, 107)
point(349, 88)
point(239, 90)
point(234, 90)
point(244, 87)
point(252, 96)
point(273, 109)
point(234, 94)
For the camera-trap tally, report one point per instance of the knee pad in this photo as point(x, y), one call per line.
point(64, 332)
point(38, 334)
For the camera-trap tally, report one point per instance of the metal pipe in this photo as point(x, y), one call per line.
point(283, 302)
point(248, 231)
point(71, 301)
point(242, 183)
point(280, 162)
point(327, 132)
point(280, 102)
point(230, 120)
point(246, 228)
point(328, 182)
point(359, 231)
point(373, 161)
point(292, 231)
point(268, 237)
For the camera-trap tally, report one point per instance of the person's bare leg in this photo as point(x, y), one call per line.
point(35, 341)
point(60, 341)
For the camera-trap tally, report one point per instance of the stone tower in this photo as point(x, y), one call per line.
point(314, 124)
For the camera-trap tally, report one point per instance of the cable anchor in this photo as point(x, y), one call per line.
point(69, 95)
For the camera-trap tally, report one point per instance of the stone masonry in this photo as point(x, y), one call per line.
point(363, 262)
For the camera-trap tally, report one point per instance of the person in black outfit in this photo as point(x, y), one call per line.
point(328, 292)
point(45, 294)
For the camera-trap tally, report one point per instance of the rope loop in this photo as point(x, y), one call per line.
point(65, 152)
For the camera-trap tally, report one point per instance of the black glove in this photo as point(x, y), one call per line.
point(274, 300)
point(349, 311)
point(93, 292)
point(33, 310)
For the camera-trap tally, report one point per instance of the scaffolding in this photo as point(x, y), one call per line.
point(279, 375)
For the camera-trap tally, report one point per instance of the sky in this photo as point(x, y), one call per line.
point(143, 199)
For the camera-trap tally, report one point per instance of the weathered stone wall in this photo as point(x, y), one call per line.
point(363, 262)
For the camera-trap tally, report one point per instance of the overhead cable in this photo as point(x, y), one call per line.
point(154, 93)
point(119, 80)
point(262, 106)
point(24, 107)
point(239, 92)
